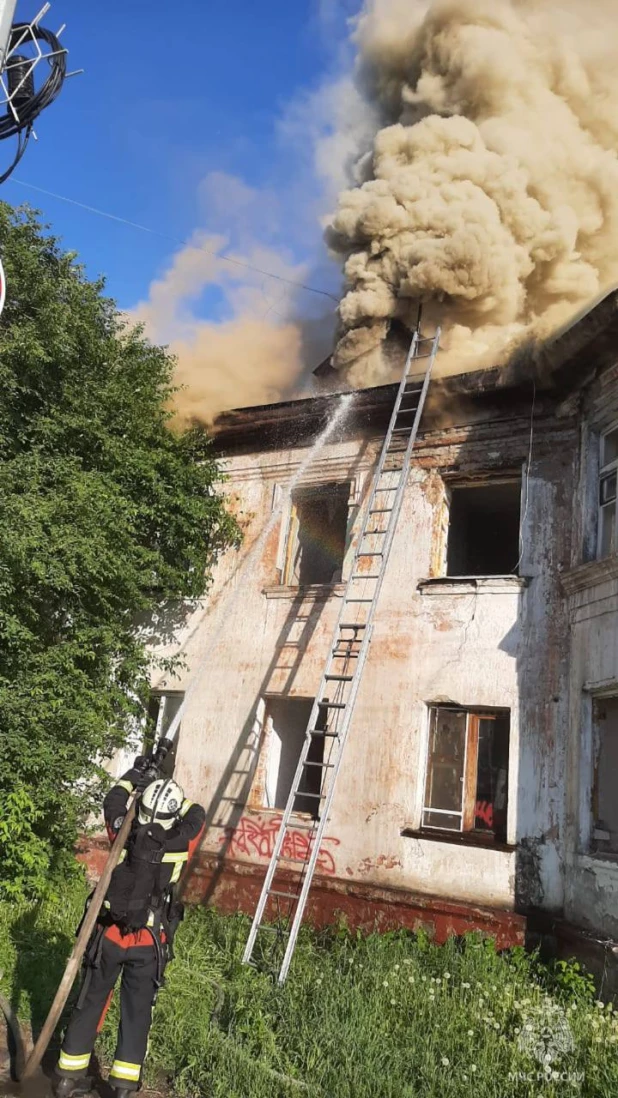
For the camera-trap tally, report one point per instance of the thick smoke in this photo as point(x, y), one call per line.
point(491, 190)
point(247, 359)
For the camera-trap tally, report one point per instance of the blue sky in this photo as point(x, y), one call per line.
point(171, 94)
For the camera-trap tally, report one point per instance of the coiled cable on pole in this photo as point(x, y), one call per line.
point(24, 102)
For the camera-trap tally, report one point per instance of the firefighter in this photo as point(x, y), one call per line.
point(135, 930)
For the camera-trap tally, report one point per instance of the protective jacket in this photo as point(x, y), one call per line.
point(133, 937)
point(141, 896)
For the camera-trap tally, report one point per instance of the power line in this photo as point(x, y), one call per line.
point(174, 239)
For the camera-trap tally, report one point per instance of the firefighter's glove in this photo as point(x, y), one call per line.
point(140, 774)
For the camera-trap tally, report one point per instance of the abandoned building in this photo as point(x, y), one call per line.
point(478, 785)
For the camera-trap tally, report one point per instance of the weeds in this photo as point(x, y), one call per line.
point(390, 1016)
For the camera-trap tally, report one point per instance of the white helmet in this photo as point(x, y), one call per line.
point(160, 803)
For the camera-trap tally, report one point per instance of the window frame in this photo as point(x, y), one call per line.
point(467, 832)
point(595, 819)
point(271, 768)
point(149, 742)
point(453, 483)
point(606, 470)
point(293, 526)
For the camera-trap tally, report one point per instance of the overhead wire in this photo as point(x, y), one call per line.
point(177, 240)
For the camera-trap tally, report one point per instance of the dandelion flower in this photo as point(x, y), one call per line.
point(445, 1061)
point(472, 1067)
point(393, 1002)
point(410, 979)
point(385, 984)
point(470, 1033)
point(447, 975)
point(396, 968)
point(466, 985)
point(600, 1005)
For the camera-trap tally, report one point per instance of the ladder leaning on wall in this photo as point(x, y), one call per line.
point(333, 707)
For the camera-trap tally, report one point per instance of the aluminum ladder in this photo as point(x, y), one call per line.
point(333, 707)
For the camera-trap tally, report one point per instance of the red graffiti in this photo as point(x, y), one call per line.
point(485, 811)
point(255, 836)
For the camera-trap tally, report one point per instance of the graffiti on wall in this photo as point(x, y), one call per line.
point(256, 837)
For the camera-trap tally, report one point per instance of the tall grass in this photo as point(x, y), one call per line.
point(390, 1016)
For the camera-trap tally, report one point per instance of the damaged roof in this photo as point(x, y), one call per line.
point(564, 363)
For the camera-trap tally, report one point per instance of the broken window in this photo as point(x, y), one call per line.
point(604, 800)
point(288, 721)
point(317, 535)
point(483, 535)
point(608, 528)
point(162, 708)
point(466, 787)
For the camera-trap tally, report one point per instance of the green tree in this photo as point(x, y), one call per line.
point(106, 513)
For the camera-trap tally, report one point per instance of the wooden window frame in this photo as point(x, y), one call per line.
point(470, 774)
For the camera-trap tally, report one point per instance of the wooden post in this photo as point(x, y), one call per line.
point(74, 961)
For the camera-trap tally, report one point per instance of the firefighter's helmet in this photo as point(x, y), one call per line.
point(160, 803)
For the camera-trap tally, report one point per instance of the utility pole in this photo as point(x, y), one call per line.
point(7, 17)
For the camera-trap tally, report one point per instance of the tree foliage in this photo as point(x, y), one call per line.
point(106, 513)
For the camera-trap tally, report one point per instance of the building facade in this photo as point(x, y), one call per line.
point(478, 785)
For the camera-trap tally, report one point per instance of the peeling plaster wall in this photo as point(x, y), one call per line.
point(495, 643)
point(592, 592)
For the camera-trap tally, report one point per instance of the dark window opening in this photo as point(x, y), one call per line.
point(317, 536)
point(483, 536)
point(604, 800)
point(289, 721)
point(466, 787)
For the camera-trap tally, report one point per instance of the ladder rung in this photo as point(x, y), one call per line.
point(285, 895)
point(368, 553)
point(360, 600)
point(316, 796)
point(370, 533)
point(333, 705)
point(368, 576)
point(380, 510)
point(352, 625)
point(273, 929)
point(309, 826)
point(325, 766)
point(324, 732)
point(339, 678)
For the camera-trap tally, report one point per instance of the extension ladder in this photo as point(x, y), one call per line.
point(333, 707)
